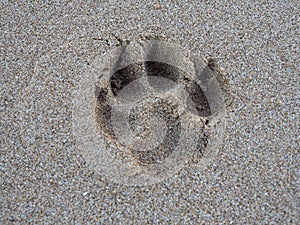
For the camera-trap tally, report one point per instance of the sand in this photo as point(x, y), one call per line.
point(46, 49)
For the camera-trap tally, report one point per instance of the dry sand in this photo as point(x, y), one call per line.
point(45, 50)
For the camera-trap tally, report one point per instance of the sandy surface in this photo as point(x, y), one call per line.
point(46, 49)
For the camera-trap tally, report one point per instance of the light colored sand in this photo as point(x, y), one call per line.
point(45, 50)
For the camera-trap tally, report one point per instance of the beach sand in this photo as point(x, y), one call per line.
point(46, 49)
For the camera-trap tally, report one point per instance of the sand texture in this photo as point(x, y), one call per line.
point(47, 49)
